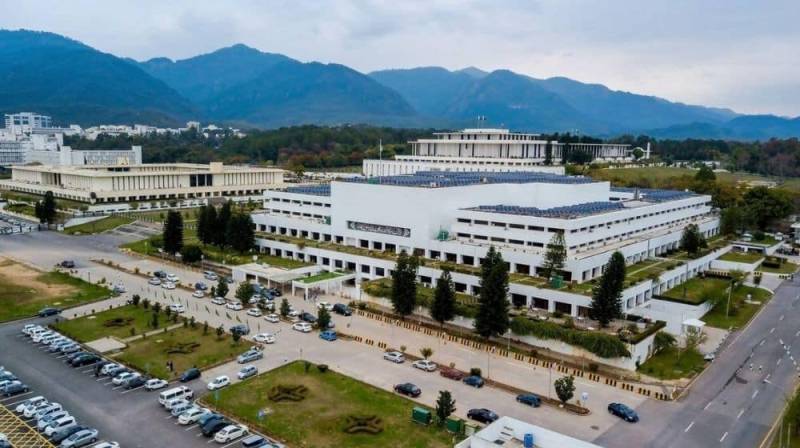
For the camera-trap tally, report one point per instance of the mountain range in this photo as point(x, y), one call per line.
point(242, 86)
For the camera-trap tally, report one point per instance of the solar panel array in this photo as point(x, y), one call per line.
point(655, 195)
point(438, 179)
point(566, 212)
point(315, 190)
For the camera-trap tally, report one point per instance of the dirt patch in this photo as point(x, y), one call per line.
point(23, 278)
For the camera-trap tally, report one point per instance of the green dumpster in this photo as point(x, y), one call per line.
point(421, 415)
point(454, 425)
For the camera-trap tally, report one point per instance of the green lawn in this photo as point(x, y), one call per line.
point(739, 312)
point(188, 214)
point(279, 262)
point(697, 290)
point(466, 305)
point(24, 291)
point(319, 420)
point(672, 364)
point(117, 322)
point(149, 246)
point(787, 267)
point(327, 275)
point(741, 257)
point(150, 355)
point(101, 225)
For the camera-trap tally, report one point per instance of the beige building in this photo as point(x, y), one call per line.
point(108, 184)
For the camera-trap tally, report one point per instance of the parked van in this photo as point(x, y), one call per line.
point(176, 392)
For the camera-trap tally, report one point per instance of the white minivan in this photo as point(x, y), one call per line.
point(176, 392)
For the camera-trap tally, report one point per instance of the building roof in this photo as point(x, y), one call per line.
point(655, 195)
point(314, 190)
point(566, 212)
point(440, 179)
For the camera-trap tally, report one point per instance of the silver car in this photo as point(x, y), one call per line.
point(80, 438)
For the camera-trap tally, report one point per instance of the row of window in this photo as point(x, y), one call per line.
point(298, 202)
point(293, 213)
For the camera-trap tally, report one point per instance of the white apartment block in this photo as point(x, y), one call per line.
point(454, 218)
point(123, 183)
point(489, 150)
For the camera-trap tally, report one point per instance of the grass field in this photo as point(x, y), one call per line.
point(327, 275)
point(279, 262)
point(672, 364)
point(150, 355)
point(741, 257)
point(24, 290)
point(188, 214)
point(149, 246)
point(787, 267)
point(740, 312)
point(318, 420)
point(117, 322)
point(697, 290)
point(101, 225)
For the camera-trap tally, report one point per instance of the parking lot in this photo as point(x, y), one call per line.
point(133, 417)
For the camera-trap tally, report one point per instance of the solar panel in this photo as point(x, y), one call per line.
point(566, 212)
point(438, 179)
point(314, 190)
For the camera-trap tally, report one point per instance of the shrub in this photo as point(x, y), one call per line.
point(558, 314)
point(601, 344)
point(593, 367)
point(191, 253)
point(475, 371)
point(322, 368)
point(135, 299)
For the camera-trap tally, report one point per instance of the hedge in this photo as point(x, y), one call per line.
point(601, 344)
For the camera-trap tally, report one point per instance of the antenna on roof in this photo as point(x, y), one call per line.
point(479, 121)
point(636, 194)
point(380, 149)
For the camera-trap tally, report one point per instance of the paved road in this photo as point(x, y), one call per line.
point(730, 405)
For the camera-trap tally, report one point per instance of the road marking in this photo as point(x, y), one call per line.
point(17, 396)
point(131, 390)
point(772, 330)
point(88, 370)
point(707, 405)
point(723, 437)
point(781, 318)
point(191, 427)
point(689, 427)
point(754, 394)
point(779, 361)
point(232, 442)
point(740, 414)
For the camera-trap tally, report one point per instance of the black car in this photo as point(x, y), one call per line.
point(84, 360)
point(59, 436)
point(116, 371)
point(623, 412)
point(7, 376)
point(408, 389)
point(275, 292)
point(160, 274)
point(529, 399)
point(46, 312)
point(137, 381)
point(69, 264)
point(213, 426)
point(205, 418)
point(15, 389)
point(242, 329)
point(308, 317)
point(189, 375)
point(482, 415)
point(72, 356)
point(200, 286)
point(341, 308)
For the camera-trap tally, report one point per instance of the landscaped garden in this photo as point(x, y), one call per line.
point(740, 310)
point(466, 305)
point(117, 322)
point(741, 257)
point(697, 290)
point(151, 245)
point(100, 225)
point(24, 290)
point(777, 265)
point(305, 406)
point(674, 363)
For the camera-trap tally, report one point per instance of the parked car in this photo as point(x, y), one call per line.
point(328, 335)
point(155, 384)
point(46, 312)
point(200, 286)
point(275, 292)
point(80, 438)
point(234, 305)
point(255, 441)
point(111, 444)
point(326, 305)
point(241, 329)
point(60, 436)
point(179, 409)
point(106, 369)
point(136, 381)
point(189, 375)
point(255, 312)
point(59, 424)
point(341, 308)
point(114, 371)
point(155, 281)
point(308, 317)
point(408, 389)
point(303, 327)
point(123, 378)
point(44, 422)
point(68, 264)
point(177, 308)
point(482, 415)
point(219, 382)
point(173, 278)
point(160, 274)
point(274, 318)
point(230, 432)
point(30, 402)
point(15, 389)
point(213, 426)
point(250, 356)
point(247, 372)
point(264, 338)
point(198, 294)
point(168, 285)
point(623, 412)
point(191, 415)
point(210, 275)
point(85, 360)
point(395, 357)
point(218, 301)
point(474, 381)
point(42, 407)
point(424, 364)
point(205, 418)
point(532, 400)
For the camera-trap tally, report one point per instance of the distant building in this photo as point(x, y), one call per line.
point(27, 120)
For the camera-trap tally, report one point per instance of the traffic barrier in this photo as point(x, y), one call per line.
point(382, 345)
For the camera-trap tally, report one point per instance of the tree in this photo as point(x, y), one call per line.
point(135, 299)
point(692, 240)
point(173, 232)
point(244, 292)
point(236, 336)
point(222, 287)
point(555, 255)
point(45, 209)
point(705, 174)
point(765, 205)
point(204, 230)
point(205, 327)
point(156, 307)
point(323, 318)
point(732, 221)
point(191, 253)
point(220, 230)
point(638, 153)
point(154, 319)
point(285, 308)
point(565, 388)
point(220, 332)
point(443, 307)
point(663, 341)
point(606, 303)
point(240, 233)
point(445, 406)
point(211, 223)
point(426, 352)
point(492, 317)
point(548, 153)
point(404, 284)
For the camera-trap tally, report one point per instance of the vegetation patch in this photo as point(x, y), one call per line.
point(673, 363)
point(369, 424)
point(601, 344)
point(739, 312)
point(466, 305)
point(697, 290)
point(121, 322)
point(283, 392)
point(741, 257)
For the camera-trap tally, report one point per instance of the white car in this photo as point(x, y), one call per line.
point(120, 288)
point(59, 424)
point(424, 364)
point(107, 368)
point(274, 318)
point(30, 403)
point(155, 281)
point(218, 301)
point(235, 306)
point(264, 338)
point(191, 416)
point(326, 305)
point(198, 294)
point(293, 312)
point(255, 312)
point(219, 382)
point(111, 444)
point(395, 357)
point(31, 411)
point(229, 433)
point(122, 378)
point(304, 327)
point(168, 285)
point(177, 308)
point(173, 278)
point(155, 384)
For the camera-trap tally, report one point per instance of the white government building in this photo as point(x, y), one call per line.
point(490, 150)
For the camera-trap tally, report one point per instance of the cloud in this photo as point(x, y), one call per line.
point(733, 53)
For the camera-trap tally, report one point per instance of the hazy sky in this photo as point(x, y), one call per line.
point(729, 53)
